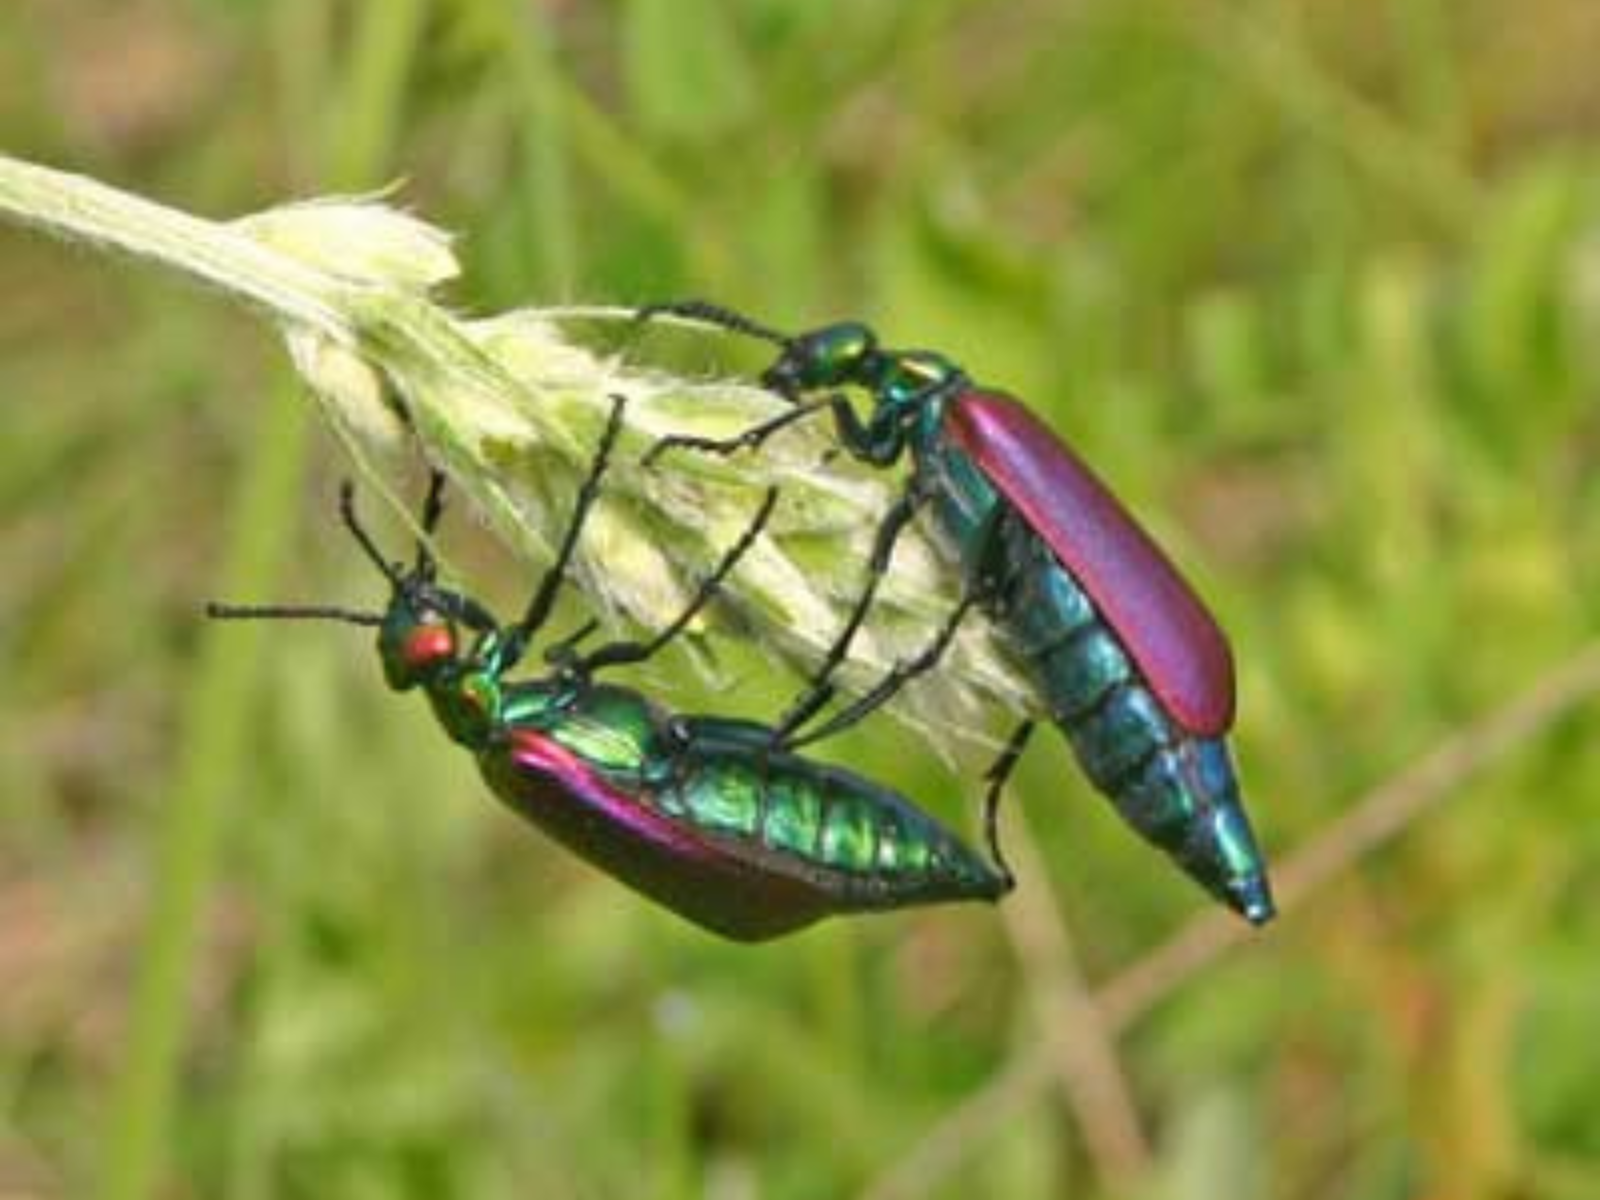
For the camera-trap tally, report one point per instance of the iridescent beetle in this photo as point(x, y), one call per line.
point(1122, 654)
point(698, 813)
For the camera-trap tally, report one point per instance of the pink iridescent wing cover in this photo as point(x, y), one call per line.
point(1166, 628)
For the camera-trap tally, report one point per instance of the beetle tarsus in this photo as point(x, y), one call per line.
point(996, 776)
point(621, 653)
point(747, 439)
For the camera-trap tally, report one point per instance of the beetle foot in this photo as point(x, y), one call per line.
point(703, 445)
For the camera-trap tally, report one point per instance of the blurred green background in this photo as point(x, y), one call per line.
point(1316, 285)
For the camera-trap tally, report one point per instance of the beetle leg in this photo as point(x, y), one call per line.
point(880, 440)
point(564, 651)
point(999, 771)
point(432, 509)
point(426, 568)
point(902, 673)
point(465, 610)
point(748, 439)
point(819, 689)
point(982, 584)
point(620, 653)
point(544, 598)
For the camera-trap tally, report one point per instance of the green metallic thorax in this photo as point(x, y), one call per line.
point(468, 696)
point(468, 704)
point(909, 388)
point(614, 729)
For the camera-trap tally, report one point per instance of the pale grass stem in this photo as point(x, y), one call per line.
point(508, 407)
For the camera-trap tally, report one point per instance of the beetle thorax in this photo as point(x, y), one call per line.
point(910, 378)
point(468, 700)
point(925, 427)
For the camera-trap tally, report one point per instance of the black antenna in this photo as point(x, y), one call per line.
point(713, 314)
point(422, 576)
point(291, 612)
point(347, 510)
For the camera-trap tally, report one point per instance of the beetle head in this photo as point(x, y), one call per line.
point(419, 631)
point(416, 638)
point(828, 357)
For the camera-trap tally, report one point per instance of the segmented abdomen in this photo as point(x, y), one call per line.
point(869, 846)
point(1177, 790)
point(745, 848)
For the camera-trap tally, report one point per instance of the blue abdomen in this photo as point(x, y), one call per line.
point(1178, 791)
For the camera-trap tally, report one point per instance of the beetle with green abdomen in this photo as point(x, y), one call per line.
point(698, 813)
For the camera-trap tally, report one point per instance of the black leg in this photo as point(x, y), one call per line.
point(432, 510)
point(544, 599)
point(819, 689)
point(982, 584)
point(711, 314)
point(621, 653)
point(564, 651)
point(747, 439)
point(996, 775)
point(902, 673)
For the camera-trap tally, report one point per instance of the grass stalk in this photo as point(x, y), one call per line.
point(194, 815)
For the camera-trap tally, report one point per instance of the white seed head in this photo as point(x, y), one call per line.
point(511, 408)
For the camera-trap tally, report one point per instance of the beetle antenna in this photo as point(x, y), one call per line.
point(713, 314)
point(347, 511)
point(291, 612)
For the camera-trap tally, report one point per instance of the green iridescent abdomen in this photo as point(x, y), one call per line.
point(696, 813)
point(881, 849)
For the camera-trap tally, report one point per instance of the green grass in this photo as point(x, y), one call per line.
point(1315, 285)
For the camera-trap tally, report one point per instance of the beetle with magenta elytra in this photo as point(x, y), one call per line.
point(1120, 652)
point(699, 813)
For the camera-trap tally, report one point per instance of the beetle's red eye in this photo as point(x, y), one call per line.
point(428, 644)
